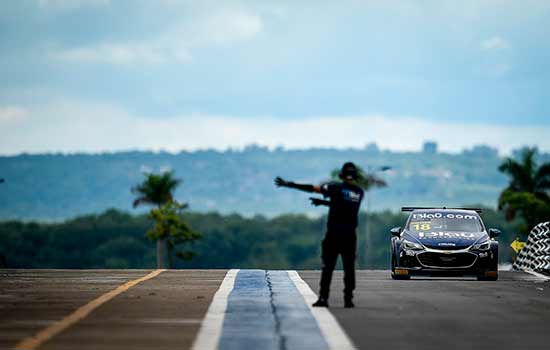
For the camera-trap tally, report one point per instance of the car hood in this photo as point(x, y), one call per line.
point(445, 240)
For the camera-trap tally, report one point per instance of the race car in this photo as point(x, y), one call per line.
point(444, 242)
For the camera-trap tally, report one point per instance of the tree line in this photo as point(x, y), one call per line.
point(240, 180)
point(117, 239)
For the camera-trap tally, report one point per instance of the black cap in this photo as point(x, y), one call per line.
point(349, 171)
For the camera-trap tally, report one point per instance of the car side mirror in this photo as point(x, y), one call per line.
point(396, 231)
point(494, 232)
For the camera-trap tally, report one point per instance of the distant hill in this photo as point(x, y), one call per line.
point(56, 186)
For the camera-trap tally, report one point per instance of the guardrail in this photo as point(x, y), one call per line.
point(535, 256)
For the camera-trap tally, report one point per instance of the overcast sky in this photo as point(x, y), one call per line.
point(104, 75)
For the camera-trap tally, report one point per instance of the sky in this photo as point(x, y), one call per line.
point(113, 75)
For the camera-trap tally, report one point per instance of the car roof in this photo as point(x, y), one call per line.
point(446, 210)
point(454, 211)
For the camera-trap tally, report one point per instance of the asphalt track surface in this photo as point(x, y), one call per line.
point(165, 312)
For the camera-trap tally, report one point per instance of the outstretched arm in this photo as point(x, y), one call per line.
point(280, 182)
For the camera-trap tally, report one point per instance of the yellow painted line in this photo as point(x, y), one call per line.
point(47, 333)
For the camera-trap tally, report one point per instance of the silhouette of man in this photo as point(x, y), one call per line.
point(340, 239)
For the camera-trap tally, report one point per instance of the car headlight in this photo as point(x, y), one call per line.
point(412, 245)
point(481, 246)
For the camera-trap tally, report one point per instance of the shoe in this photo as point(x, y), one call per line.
point(320, 303)
point(348, 304)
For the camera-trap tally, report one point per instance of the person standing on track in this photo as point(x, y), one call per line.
point(340, 238)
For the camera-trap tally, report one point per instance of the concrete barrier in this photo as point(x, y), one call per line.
point(535, 256)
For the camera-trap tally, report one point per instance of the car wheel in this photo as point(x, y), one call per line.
point(400, 277)
point(489, 276)
point(492, 273)
point(393, 275)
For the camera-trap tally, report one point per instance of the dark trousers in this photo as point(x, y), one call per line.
point(334, 244)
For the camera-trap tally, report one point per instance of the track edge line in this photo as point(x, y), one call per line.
point(212, 324)
point(334, 334)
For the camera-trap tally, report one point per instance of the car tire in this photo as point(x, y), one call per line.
point(488, 278)
point(493, 266)
point(400, 277)
point(393, 275)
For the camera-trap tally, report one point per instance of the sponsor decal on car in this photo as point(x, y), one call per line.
point(443, 215)
point(446, 235)
point(447, 258)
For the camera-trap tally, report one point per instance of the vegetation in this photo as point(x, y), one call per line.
point(116, 239)
point(241, 181)
point(170, 228)
point(527, 193)
point(57, 187)
point(156, 189)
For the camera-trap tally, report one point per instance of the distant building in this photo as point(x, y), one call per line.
point(481, 151)
point(372, 148)
point(255, 148)
point(429, 147)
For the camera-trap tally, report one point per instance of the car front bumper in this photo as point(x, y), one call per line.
point(445, 262)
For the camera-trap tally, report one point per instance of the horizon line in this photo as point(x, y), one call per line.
point(268, 148)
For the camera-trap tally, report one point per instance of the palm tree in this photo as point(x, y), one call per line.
point(527, 193)
point(157, 190)
point(364, 180)
point(172, 228)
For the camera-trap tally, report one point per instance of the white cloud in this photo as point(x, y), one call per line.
point(69, 5)
point(11, 114)
point(174, 45)
point(141, 53)
point(228, 26)
point(495, 43)
point(70, 127)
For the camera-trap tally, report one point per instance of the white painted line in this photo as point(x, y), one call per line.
point(211, 327)
point(538, 274)
point(334, 335)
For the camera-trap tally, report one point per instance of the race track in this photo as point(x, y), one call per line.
point(267, 310)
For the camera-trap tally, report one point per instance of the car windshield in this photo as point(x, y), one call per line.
point(444, 221)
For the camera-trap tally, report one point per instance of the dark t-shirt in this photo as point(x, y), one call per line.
point(345, 200)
